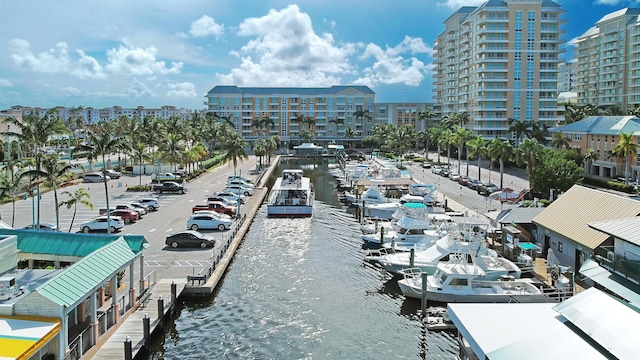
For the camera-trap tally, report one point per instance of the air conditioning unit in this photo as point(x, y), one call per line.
point(7, 282)
point(610, 255)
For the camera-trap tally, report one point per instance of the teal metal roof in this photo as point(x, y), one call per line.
point(76, 282)
point(70, 244)
point(602, 125)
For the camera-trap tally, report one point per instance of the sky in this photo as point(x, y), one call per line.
point(103, 53)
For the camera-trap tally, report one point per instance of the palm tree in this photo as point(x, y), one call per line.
point(501, 150)
point(455, 118)
point(520, 127)
point(139, 152)
point(362, 114)
point(478, 147)
point(401, 139)
point(80, 196)
point(460, 137)
point(172, 148)
point(530, 152)
point(559, 142)
point(436, 133)
point(34, 131)
point(102, 145)
point(589, 157)
point(381, 132)
point(235, 151)
point(260, 150)
point(349, 133)
point(11, 181)
point(425, 116)
point(52, 171)
point(626, 148)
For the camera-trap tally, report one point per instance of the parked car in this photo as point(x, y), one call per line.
point(445, 172)
point(239, 189)
point(223, 200)
point(454, 177)
point(131, 207)
point(190, 238)
point(436, 169)
point(426, 165)
point(216, 206)
point(43, 227)
point(214, 213)
point(240, 183)
point(487, 188)
point(473, 184)
point(151, 202)
point(165, 176)
point(100, 224)
point(231, 196)
point(207, 221)
point(112, 173)
point(94, 177)
point(464, 180)
point(143, 208)
point(239, 177)
point(169, 186)
point(128, 216)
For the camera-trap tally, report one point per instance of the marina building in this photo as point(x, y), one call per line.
point(500, 61)
point(608, 61)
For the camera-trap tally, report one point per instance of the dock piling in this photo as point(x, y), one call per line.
point(127, 349)
point(161, 311)
point(146, 330)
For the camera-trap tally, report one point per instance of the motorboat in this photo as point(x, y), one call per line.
point(437, 319)
point(458, 281)
point(467, 240)
point(291, 195)
point(371, 195)
point(409, 228)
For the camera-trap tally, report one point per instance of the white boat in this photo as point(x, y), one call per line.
point(437, 319)
point(409, 228)
point(462, 282)
point(371, 195)
point(291, 195)
point(471, 244)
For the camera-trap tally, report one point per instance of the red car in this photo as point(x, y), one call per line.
point(216, 206)
point(128, 216)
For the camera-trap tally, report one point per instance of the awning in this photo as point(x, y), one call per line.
point(612, 282)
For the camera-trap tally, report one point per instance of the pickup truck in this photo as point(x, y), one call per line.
point(216, 206)
point(165, 177)
point(169, 186)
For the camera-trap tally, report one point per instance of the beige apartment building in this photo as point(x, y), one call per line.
point(608, 61)
point(500, 61)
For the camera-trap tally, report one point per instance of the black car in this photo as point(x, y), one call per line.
point(473, 184)
point(190, 238)
point(445, 173)
point(487, 188)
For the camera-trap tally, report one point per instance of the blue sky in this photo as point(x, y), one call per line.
point(102, 53)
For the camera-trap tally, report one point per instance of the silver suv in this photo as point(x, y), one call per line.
point(94, 177)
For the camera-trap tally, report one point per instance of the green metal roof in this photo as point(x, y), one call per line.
point(73, 285)
point(70, 244)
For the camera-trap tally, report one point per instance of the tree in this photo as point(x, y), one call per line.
point(102, 145)
point(260, 150)
point(80, 196)
point(559, 142)
point(555, 172)
point(478, 147)
point(172, 149)
point(425, 116)
point(521, 127)
point(625, 149)
point(502, 151)
point(589, 157)
point(362, 114)
point(529, 152)
point(139, 152)
point(235, 151)
point(11, 181)
point(455, 118)
point(459, 138)
point(401, 139)
point(349, 133)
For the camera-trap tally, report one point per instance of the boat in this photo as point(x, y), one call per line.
point(437, 319)
point(371, 195)
point(458, 281)
point(468, 243)
point(291, 195)
point(409, 228)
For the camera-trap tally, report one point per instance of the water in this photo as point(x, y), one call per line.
point(299, 289)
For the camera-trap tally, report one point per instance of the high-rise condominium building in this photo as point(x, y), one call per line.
point(336, 113)
point(608, 61)
point(499, 61)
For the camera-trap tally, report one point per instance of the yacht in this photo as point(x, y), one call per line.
point(291, 196)
point(409, 227)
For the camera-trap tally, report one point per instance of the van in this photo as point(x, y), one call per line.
point(94, 177)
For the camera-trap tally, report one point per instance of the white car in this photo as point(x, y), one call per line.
point(150, 202)
point(232, 196)
point(131, 207)
point(143, 209)
point(100, 224)
point(214, 213)
point(240, 183)
point(207, 221)
point(242, 178)
point(436, 169)
point(239, 189)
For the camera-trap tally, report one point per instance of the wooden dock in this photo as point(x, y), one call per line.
point(133, 326)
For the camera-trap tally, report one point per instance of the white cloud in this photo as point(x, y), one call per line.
point(391, 67)
point(127, 59)
point(206, 26)
point(183, 89)
point(607, 2)
point(52, 61)
point(5, 83)
point(457, 4)
point(139, 89)
point(88, 67)
point(285, 51)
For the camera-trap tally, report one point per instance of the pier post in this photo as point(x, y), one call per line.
point(174, 294)
point(381, 235)
point(364, 209)
point(161, 311)
point(127, 349)
point(375, 221)
point(146, 330)
point(412, 257)
point(423, 295)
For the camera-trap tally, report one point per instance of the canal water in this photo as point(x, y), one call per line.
point(300, 289)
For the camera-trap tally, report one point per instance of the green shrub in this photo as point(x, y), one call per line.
point(139, 188)
point(545, 202)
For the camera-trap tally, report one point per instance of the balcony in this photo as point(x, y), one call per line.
point(607, 258)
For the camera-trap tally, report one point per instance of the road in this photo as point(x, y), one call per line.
point(174, 212)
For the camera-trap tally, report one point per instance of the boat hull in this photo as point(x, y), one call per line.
point(289, 211)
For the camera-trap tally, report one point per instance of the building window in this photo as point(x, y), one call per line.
point(560, 246)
